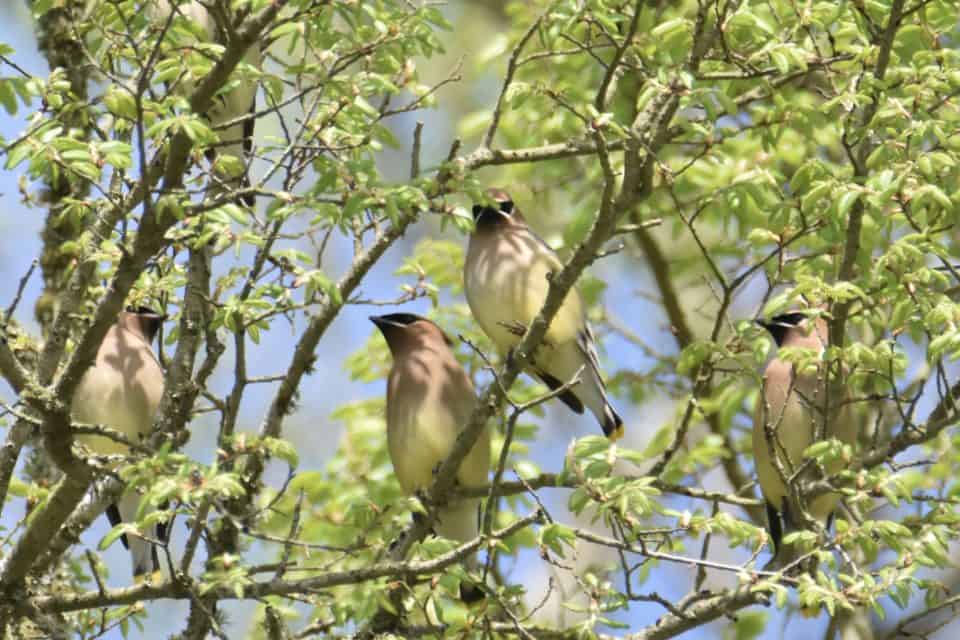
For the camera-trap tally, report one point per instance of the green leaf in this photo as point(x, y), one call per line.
point(589, 446)
point(8, 97)
point(283, 450)
point(750, 624)
point(846, 202)
point(556, 537)
point(659, 443)
point(115, 533)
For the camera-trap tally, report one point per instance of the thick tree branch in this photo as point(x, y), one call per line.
point(36, 537)
point(707, 610)
point(180, 389)
point(11, 368)
point(102, 494)
point(9, 454)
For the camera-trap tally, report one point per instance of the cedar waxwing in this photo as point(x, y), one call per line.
point(122, 391)
point(791, 405)
point(429, 401)
point(505, 277)
point(236, 140)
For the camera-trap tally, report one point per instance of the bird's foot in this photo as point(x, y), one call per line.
point(514, 327)
point(519, 329)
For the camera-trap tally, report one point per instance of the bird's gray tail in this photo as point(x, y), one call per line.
point(594, 395)
point(146, 561)
point(612, 422)
point(789, 556)
point(471, 592)
point(460, 521)
point(779, 525)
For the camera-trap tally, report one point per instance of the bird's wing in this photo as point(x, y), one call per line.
point(568, 397)
point(588, 346)
point(547, 249)
point(248, 126)
point(570, 318)
point(113, 515)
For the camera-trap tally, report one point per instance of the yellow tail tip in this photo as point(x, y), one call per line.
point(617, 433)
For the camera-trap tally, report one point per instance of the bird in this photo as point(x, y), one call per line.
point(505, 274)
point(236, 139)
point(791, 406)
point(122, 390)
point(429, 401)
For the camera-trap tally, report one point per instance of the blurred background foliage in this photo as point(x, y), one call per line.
point(785, 132)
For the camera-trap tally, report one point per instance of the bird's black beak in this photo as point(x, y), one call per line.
point(388, 329)
point(384, 324)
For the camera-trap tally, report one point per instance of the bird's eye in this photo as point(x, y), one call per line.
point(506, 206)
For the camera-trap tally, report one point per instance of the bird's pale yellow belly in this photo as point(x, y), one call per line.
point(112, 399)
point(794, 431)
point(505, 295)
point(418, 444)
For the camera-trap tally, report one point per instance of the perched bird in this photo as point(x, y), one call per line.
point(429, 401)
point(236, 139)
point(122, 391)
point(788, 413)
point(505, 276)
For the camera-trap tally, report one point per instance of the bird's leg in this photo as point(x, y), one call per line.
point(514, 327)
point(518, 329)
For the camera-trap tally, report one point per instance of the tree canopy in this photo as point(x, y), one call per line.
point(696, 164)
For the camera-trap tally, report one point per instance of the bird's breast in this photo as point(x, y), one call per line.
point(506, 284)
point(419, 437)
point(121, 391)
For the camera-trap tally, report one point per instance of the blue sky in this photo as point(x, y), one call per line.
point(312, 431)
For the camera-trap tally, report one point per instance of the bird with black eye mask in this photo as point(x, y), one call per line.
point(122, 391)
point(429, 402)
point(506, 278)
point(487, 217)
point(789, 412)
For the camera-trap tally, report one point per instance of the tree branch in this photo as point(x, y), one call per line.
point(256, 590)
point(558, 481)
